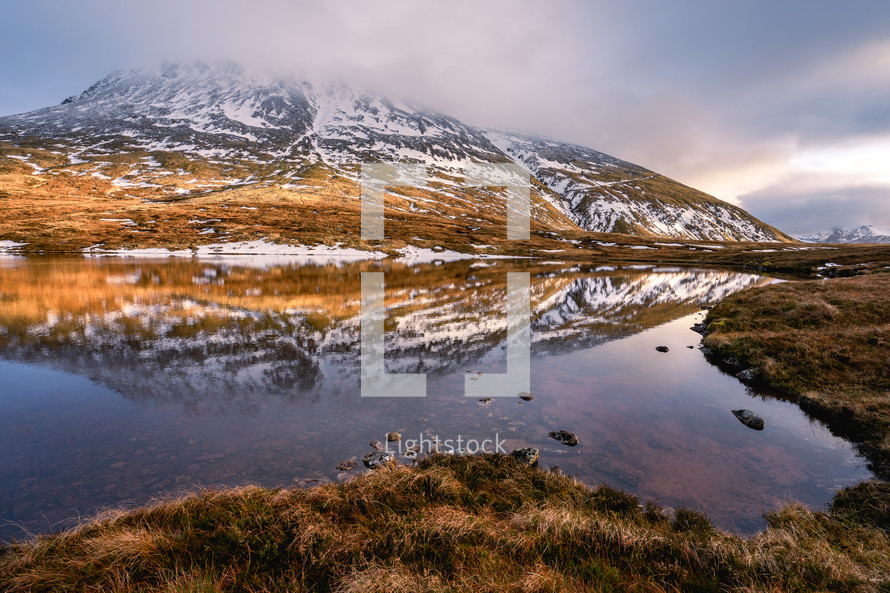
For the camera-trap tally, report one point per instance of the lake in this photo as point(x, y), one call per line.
point(122, 380)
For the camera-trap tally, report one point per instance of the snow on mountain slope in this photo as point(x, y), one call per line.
point(862, 234)
point(602, 193)
point(274, 128)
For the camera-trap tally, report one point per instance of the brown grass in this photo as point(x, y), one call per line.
point(451, 524)
point(61, 211)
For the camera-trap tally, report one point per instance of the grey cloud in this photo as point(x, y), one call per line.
point(801, 213)
point(692, 89)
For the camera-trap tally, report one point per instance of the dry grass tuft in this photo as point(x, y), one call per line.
point(477, 523)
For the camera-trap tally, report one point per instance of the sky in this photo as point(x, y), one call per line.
point(782, 108)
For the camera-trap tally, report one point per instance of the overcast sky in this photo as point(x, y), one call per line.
point(781, 107)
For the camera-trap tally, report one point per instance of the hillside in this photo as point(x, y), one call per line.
point(279, 159)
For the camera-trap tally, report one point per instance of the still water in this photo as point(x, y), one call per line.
point(122, 380)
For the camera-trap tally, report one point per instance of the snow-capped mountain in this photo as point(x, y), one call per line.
point(862, 234)
point(189, 130)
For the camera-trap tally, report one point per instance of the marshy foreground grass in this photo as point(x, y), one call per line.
point(453, 523)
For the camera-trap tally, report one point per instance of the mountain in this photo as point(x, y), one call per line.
point(187, 132)
point(862, 234)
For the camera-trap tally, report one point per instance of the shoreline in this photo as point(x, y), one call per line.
point(501, 524)
point(481, 523)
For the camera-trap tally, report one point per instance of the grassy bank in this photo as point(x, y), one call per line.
point(824, 343)
point(451, 524)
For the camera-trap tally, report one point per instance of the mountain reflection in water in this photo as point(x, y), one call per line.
point(247, 370)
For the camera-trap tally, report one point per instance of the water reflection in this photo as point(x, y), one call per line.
point(203, 332)
point(248, 370)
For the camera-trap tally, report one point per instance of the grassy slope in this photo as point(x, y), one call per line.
point(451, 524)
point(66, 207)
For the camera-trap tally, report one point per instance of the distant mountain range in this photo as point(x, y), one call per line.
point(862, 234)
point(183, 132)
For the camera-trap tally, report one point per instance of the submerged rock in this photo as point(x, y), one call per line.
point(345, 466)
point(662, 348)
point(525, 395)
point(375, 459)
point(749, 419)
point(376, 445)
point(563, 436)
point(525, 456)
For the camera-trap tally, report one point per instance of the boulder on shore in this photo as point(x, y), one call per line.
point(525, 456)
point(375, 459)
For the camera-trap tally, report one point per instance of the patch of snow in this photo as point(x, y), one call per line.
point(98, 251)
point(423, 255)
point(6, 246)
point(264, 247)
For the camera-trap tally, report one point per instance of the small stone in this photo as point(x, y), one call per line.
point(376, 445)
point(749, 419)
point(393, 437)
point(699, 327)
point(345, 466)
point(375, 459)
point(745, 375)
point(563, 436)
point(691, 347)
point(526, 396)
point(662, 348)
point(525, 456)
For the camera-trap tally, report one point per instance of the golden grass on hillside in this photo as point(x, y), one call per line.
point(826, 342)
point(451, 524)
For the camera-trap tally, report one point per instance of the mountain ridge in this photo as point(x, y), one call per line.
point(862, 234)
point(183, 131)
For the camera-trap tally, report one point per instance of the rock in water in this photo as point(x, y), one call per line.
point(526, 456)
point(525, 395)
point(746, 375)
point(662, 348)
point(345, 466)
point(749, 419)
point(393, 436)
point(375, 459)
point(563, 436)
